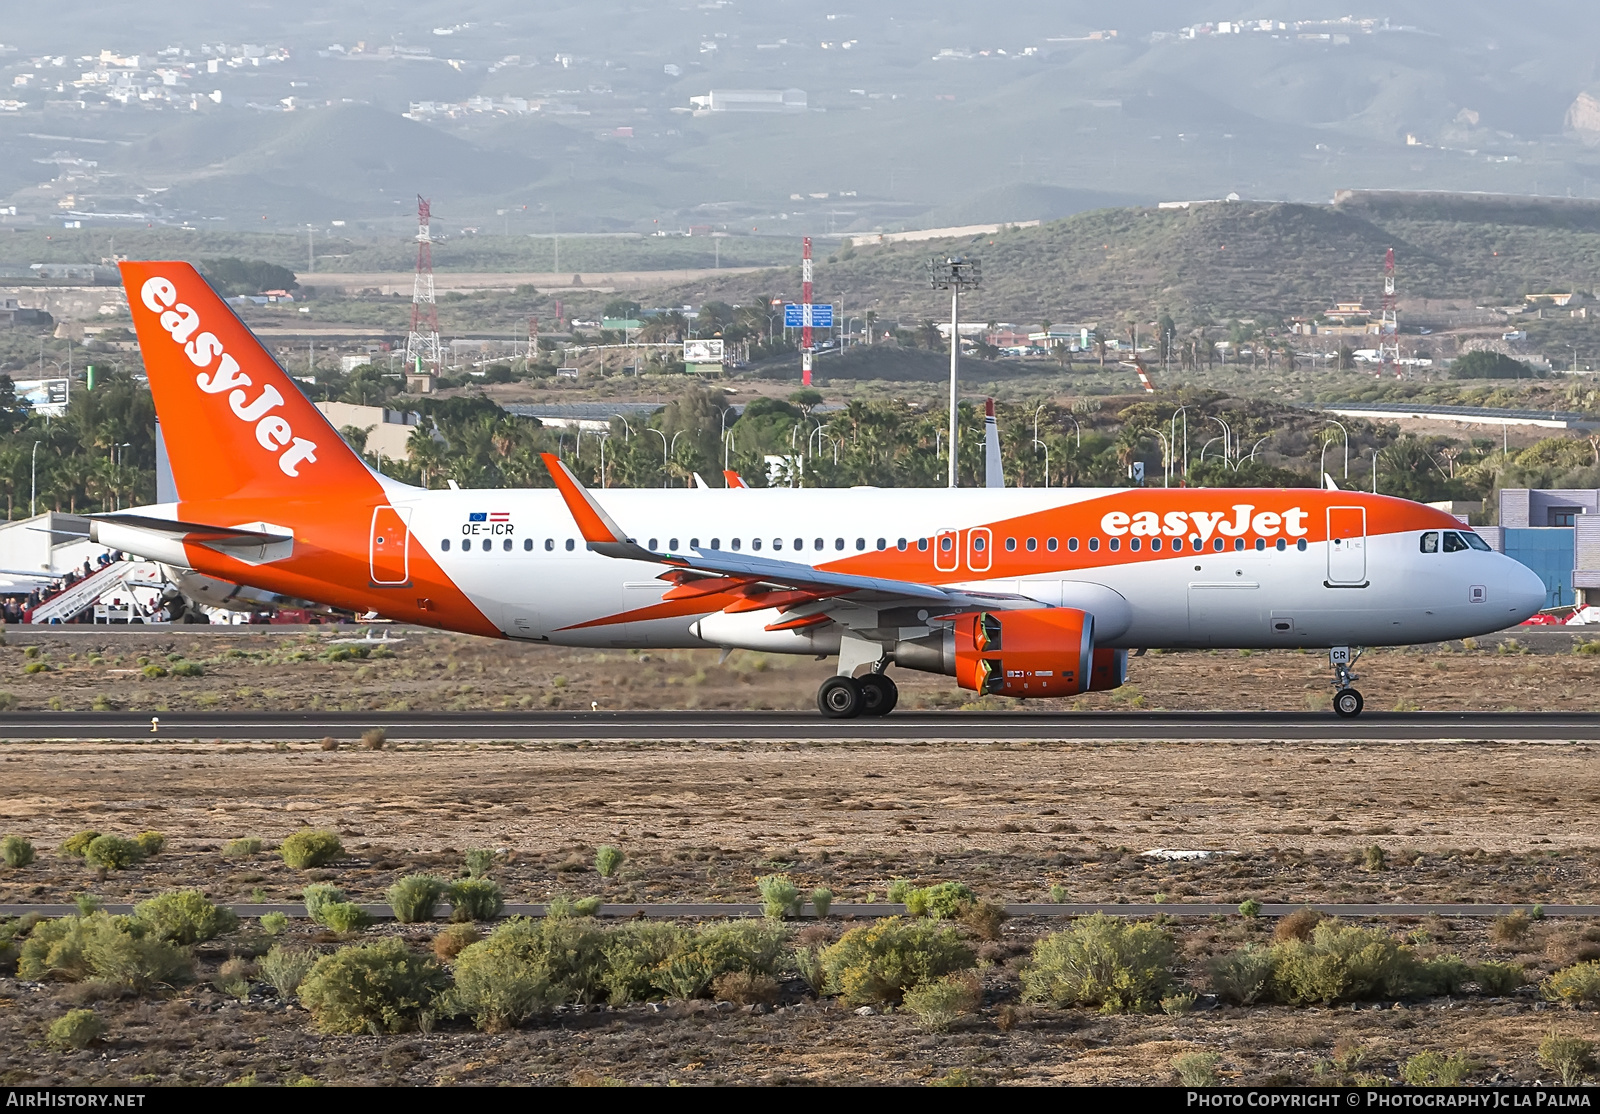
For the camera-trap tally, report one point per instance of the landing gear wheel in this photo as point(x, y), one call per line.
point(839, 698)
point(1347, 703)
point(879, 695)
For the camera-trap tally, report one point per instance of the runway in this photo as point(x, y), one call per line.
point(605, 726)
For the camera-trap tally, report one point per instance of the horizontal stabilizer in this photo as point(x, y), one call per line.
point(194, 531)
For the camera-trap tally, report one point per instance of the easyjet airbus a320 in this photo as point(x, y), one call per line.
point(1028, 593)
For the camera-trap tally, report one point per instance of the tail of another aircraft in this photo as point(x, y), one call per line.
point(233, 423)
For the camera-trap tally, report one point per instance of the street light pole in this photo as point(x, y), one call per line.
point(33, 481)
point(954, 274)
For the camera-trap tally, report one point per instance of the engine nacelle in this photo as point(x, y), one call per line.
point(1036, 652)
point(1109, 671)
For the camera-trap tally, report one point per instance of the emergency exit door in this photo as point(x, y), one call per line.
point(389, 549)
point(1347, 546)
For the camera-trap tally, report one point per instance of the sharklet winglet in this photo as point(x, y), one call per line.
point(598, 528)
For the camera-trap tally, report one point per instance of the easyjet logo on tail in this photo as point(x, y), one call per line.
point(1176, 524)
point(273, 431)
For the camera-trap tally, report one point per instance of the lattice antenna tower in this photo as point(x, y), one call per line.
point(422, 345)
point(1389, 325)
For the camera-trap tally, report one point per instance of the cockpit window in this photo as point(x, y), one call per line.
point(1476, 542)
point(1454, 542)
point(1430, 542)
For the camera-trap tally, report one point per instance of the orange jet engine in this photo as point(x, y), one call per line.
point(1038, 652)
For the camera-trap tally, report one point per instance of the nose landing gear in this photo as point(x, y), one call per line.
point(1347, 702)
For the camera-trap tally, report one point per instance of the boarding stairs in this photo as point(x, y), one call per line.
point(65, 606)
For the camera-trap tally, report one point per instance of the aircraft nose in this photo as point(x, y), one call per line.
point(1527, 591)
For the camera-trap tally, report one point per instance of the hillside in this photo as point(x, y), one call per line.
point(1210, 262)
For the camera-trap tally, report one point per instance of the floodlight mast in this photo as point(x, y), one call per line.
point(955, 274)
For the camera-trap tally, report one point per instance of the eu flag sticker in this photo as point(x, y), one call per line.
point(478, 516)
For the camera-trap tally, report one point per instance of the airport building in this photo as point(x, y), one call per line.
point(1556, 533)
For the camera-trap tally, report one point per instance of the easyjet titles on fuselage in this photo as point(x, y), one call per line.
point(1178, 524)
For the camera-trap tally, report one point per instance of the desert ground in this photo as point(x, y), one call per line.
point(1457, 821)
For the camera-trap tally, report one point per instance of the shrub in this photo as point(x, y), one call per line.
point(1242, 976)
point(881, 961)
point(1176, 1005)
point(1298, 925)
point(899, 889)
point(284, 969)
point(415, 897)
point(75, 1029)
point(112, 852)
point(150, 843)
point(1510, 929)
point(607, 859)
point(76, 845)
point(1250, 908)
point(475, 899)
point(942, 902)
point(1197, 1069)
point(526, 968)
point(479, 862)
point(937, 1004)
point(1342, 963)
point(1374, 858)
point(453, 939)
point(715, 949)
point(16, 851)
point(329, 743)
point(1101, 961)
point(380, 986)
point(1572, 1056)
point(821, 900)
point(587, 906)
point(233, 977)
point(807, 960)
point(345, 916)
point(743, 988)
point(1578, 985)
point(780, 897)
point(308, 848)
point(241, 848)
point(273, 924)
point(1435, 1069)
point(982, 919)
point(374, 738)
point(635, 954)
point(188, 669)
point(318, 896)
point(185, 916)
point(153, 671)
point(1497, 979)
point(119, 952)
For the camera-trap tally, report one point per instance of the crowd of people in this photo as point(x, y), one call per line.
point(15, 609)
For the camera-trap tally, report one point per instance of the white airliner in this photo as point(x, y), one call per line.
point(1018, 592)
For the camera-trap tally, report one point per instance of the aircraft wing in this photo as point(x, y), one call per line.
point(709, 571)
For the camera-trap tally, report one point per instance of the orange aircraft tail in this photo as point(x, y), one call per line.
point(234, 423)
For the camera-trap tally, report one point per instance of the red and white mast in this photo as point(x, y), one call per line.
point(805, 313)
point(1389, 327)
point(422, 345)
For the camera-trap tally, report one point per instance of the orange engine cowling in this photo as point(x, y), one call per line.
point(1109, 671)
point(1037, 652)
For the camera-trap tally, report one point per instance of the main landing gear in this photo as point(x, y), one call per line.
point(1347, 702)
point(847, 697)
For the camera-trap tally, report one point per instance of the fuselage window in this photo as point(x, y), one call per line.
point(901, 545)
point(979, 544)
point(527, 544)
point(445, 545)
point(1216, 544)
point(716, 543)
point(1238, 544)
point(506, 545)
point(1281, 545)
point(1430, 542)
point(571, 545)
point(1011, 545)
point(1261, 544)
point(1072, 544)
point(1155, 544)
point(488, 544)
point(882, 545)
point(1114, 544)
point(922, 545)
point(1454, 543)
point(1472, 539)
point(817, 544)
point(550, 544)
point(755, 543)
point(861, 543)
point(838, 543)
point(945, 543)
point(653, 544)
point(1177, 545)
point(694, 543)
point(777, 543)
point(736, 544)
point(1133, 545)
point(1033, 544)
point(1094, 544)
point(1300, 545)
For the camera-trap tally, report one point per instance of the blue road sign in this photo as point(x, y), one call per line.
point(794, 317)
